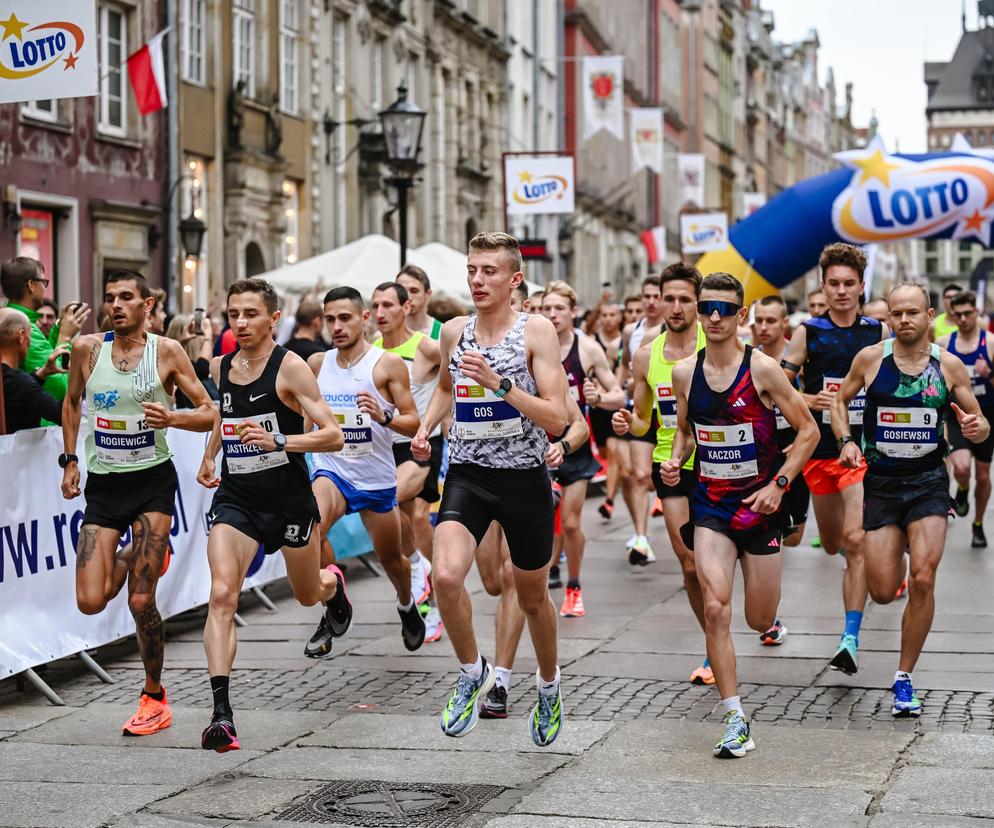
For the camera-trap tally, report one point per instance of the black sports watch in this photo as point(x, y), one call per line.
point(66, 459)
point(846, 439)
point(567, 448)
point(782, 481)
point(280, 440)
point(387, 418)
point(505, 386)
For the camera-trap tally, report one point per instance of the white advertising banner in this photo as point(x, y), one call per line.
point(703, 232)
point(690, 176)
point(39, 619)
point(647, 139)
point(751, 202)
point(539, 184)
point(47, 50)
point(603, 82)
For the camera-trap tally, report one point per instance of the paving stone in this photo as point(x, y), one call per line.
point(533, 821)
point(20, 717)
point(942, 791)
point(54, 805)
point(235, 797)
point(954, 750)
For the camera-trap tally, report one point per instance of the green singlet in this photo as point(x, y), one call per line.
point(660, 379)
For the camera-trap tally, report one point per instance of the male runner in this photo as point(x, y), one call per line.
point(825, 347)
point(509, 393)
point(817, 303)
point(415, 281)
point(876, 309)
point(972, 345)
point(583, 360)
point(945, 323)
point(632, 310)
point(417, 482)
point(264, 494)
point(652, 372)
point(725, 398)
point(910, 385)
point(129, 377)
point(368, 390)
point(611, 447)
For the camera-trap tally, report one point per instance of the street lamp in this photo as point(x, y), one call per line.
point(191, 233)
point(403, 124)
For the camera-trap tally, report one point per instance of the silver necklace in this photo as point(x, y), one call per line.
point(349, 364)
point(244, 360)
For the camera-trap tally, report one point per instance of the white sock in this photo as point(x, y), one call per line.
point(901, 676)
point(732, 703)
point(415, 559)
point(474, 669)
point(547, 688)
point(503, 677)
point(410, 604)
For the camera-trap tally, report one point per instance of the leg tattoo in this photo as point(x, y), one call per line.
point(151, 641)
point(87, 546)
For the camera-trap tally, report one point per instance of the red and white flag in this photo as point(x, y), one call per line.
point(654, 241)
point(146, 69)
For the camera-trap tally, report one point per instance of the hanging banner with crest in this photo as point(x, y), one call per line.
point(603, 85)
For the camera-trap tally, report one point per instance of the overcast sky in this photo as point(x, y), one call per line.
point(880, 46)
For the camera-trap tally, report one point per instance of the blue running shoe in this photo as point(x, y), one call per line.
point(906, 701)
point(547, 718)
point(737, 741)
point(845, 657)
point(461, 713)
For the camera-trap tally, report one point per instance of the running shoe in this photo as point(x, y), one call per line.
point(775, 635)
point(573, 605)
point(702, 676)
point(151, 717)
point(495, 704)
point(166, 559)
point(901, 590)
point(961, 503)
point(641, 554)
point(420, 585)
point(433, 625)
point(979, 538)
point(906, 701)
point(220, 735)
point(321, 644)
point(737, 741)
point(460, 714)
point(657, 508)
point(412, 627)
point(547, 718)
point(816, 541)
point(845, 657)
point(338, 611)
point(555, 581)
point(606, 509)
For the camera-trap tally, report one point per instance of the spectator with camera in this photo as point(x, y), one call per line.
point(195, 334)
point(23, 401)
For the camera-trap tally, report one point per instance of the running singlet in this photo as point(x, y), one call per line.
point(613, 354)
point(831, 351)
point(982, 388)
point(487, 430)
point(366, 460)
point(905, 415)
point(118, 438)
point(660, 379)
point(421, 391)
point(636, 337)
point(737, 450)
point(250, 475)
point(436, 328)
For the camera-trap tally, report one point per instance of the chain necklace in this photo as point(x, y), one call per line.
point(349, 364)
point(126, 353)
point(244, 360)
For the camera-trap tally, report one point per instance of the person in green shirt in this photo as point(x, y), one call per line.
point(945, 323)
point(23, 282)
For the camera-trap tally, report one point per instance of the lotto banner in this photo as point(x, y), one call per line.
point(39, 620)
point(47, 50)
point(539, 184)
point(701, 232)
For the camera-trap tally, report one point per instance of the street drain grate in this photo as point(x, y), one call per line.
point(391, 804)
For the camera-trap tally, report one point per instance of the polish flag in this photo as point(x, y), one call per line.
point(146, 69)
point(654, 241)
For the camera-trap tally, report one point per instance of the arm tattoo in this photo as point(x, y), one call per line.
point(87, 546)
point(94, 354)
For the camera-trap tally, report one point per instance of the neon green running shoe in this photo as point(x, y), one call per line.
point(461, 713)
point(737, 741)
point(547, 718)
point(816, 541)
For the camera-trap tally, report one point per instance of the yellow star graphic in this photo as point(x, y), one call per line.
point(525, 177)
point(12, 26)
point(876, 166)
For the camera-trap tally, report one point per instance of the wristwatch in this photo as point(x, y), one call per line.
point(66, 459)
point(567, 448)
point(506, 384)
point(280, 440)
point(387, 418)
point(845, 439)
point(782, 481)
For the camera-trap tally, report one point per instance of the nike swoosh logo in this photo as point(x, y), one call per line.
point(308, 535)
point(257, 397)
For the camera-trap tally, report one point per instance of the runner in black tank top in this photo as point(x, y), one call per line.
point(264, 499)
point(911, 387)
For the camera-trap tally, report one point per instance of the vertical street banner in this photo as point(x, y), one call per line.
point(646, 127)
point(47, 50)
point(703, 232)
point(690, 176)
point(654, 242)
point(539, 184)
point(603, 86)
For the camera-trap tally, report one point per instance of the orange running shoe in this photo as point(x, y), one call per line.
point(901, 590)
point(573, 605)
point(151, 717)
point(702, 675)
point(657, 508)
point(166, 558)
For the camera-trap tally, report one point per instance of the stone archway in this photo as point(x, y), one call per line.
point(254, 261)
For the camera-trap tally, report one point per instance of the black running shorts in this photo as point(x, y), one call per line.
point(685, 488)
point(898, 501)
point(650, 435)
point(764, 540)
point(274, 530)
point(520, 500)
point(795, 502)
point(116, 499)
point(600, 426)
point(402, 453)
point(580, 465)
point(982, 452)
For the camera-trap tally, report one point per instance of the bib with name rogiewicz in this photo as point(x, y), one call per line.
point(122, 439)
point(482, 415)
point(726, 452)
point(856, 405)
point(243, 458)
point(666, 405)
point(907, 433)
point(358, 432)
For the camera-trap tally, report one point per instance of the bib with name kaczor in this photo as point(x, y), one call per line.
point(726, 452)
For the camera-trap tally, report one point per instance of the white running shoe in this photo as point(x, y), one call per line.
point(433, 625)
point(420, 585)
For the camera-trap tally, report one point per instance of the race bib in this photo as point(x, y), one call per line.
point(782, 424)
point(245, 459)
point(482, 415)
point(358, 431)
point(120, 440)
point(666, 405)
point(856, 405)
point(979, 383)
point(907, 433)
point(726, 452)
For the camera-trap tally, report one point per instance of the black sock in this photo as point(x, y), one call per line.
point(609, 501)
point(572, 584)
point(157, 696)
point(219, 687)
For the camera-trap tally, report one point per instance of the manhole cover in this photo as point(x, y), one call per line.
point(391, 804)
